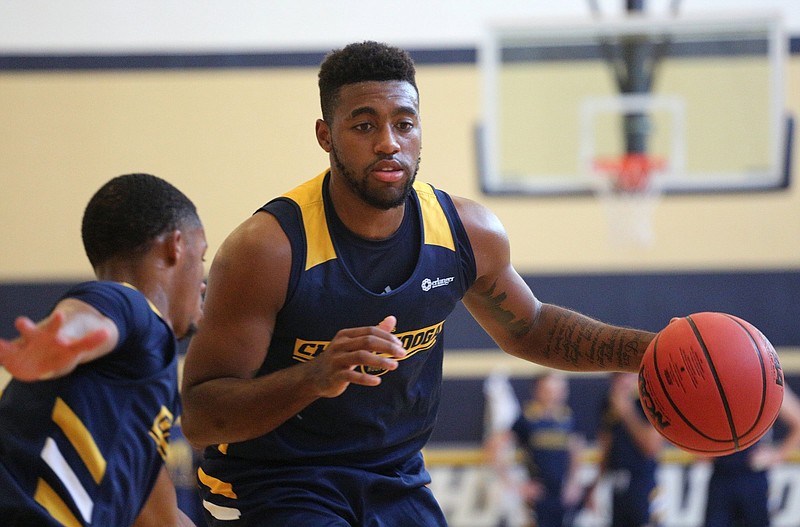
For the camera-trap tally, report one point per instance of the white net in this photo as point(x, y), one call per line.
point(630, 185)
point(630, 189)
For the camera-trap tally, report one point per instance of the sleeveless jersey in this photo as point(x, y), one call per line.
point(364, 427)
point(545, 438)
point(85, 449)
point(624, 453)
point(740, 462)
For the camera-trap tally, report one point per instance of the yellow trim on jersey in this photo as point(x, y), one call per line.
point(223, 448)
point(308, 196)
point(81, 439)
point(52, 502)
point(434, 222)
point(216, 486)
point(319, 245)
point(152, 305)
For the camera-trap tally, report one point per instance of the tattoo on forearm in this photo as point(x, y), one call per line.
point(577, 340)
point(516, 326)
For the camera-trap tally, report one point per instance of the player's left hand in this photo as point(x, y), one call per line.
point(43, 350)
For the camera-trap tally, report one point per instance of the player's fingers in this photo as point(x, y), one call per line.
point(385, 346)
point(362, 379)
point(356, 359)
point(6, 348)
point(372, 360)
point(382, 330)
point(370, 339)
point(388, 324)
point(54, 322)
point(24, 325)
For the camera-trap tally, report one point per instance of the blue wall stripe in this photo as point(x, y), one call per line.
point(174, 61)
point(768, 299)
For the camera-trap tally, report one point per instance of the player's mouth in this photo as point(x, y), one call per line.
point(388, 171)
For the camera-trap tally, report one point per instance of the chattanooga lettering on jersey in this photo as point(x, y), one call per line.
point(413, 341)
point(160, 430)
point(428, 284)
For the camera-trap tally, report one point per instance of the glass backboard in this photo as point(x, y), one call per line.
point(704, 96)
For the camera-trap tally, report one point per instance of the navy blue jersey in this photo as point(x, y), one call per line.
point(379, 427)
point(86, 448)
point(738, 491)
point(738, 494)
point(624, 453)
point(739, 462)
point(632, 472)
point(545, 437)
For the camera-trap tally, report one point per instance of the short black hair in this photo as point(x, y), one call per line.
point(128, 212)
point(361, 62)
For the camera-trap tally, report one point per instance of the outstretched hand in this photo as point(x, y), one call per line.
point(44, 350)
point(370, 346)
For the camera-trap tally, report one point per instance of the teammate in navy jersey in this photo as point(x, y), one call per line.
point(629, 449)
point(314, 380)
point(545, 431)
point(85, 421)
point(738, 490)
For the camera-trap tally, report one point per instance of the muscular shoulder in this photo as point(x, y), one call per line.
point(257, 239)
point(486, 233)
point(254, 259)
point(477, 218)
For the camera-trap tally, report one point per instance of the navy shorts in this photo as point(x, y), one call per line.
point(741, 497)
point(632, 500)
point(244, 493)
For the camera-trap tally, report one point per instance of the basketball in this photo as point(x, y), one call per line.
point(711, 383)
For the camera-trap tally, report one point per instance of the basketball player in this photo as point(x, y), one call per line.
point(629, 448)
point(545, 430)
point(85, 421)
point(314, 380)
point(738, 490)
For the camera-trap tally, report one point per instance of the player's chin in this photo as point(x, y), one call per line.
point(191, 329)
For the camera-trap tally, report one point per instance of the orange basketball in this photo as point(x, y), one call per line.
point(711, 383)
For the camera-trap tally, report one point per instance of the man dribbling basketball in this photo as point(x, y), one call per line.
point(314, 380)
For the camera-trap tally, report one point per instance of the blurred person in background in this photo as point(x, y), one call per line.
point(738, 490)
point(629, 449)
point(545, 431)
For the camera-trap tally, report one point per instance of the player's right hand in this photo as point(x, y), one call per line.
point(373, 347)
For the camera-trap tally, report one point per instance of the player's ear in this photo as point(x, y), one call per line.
point(172, 246)
point(323, 135)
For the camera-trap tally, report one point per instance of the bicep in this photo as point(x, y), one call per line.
point(246, 288)
point(505, 308)
point(499, 299)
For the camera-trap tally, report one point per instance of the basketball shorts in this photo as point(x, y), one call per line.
point(242, 493)
point(738, 496)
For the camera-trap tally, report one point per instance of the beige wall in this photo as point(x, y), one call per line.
point(232, 139)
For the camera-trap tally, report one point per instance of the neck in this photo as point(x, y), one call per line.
point(138, 275)
point(360, 218)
